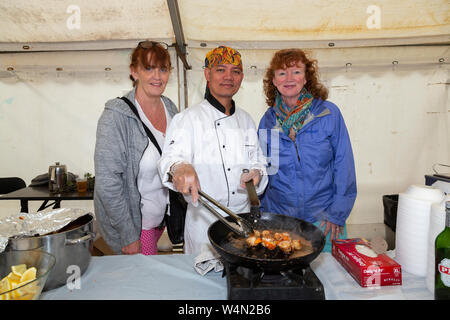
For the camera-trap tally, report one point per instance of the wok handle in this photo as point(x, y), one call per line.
point(88, 236)
point(253, 197)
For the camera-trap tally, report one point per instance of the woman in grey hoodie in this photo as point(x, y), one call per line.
point(129, 198)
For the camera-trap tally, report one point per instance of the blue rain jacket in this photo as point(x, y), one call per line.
point(314, 178)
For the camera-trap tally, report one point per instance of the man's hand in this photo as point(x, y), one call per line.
point(185, 180)
point(132, 248)
point(252, 174)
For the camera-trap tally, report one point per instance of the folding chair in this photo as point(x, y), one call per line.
point(8, 185)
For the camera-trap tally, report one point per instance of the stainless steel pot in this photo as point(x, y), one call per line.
point(71, 246)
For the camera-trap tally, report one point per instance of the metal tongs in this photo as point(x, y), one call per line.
point(245, 227)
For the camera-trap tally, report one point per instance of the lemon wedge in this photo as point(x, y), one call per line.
point(5, 296)
point(15, 294)
point(30, 289)
point(5, 285)
point(28, 275)
point(19, 269)
point(18, 277)
point(13, 277)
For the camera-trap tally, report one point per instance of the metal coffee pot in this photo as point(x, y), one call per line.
point(57, 176)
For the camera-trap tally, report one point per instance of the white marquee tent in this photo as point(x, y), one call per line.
point(386, 64)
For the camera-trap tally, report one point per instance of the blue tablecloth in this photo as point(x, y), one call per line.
point(172, 277)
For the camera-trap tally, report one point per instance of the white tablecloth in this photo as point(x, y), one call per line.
point(172, 277)
point(339, 284)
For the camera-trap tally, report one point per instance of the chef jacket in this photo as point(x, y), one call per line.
point(219, 147)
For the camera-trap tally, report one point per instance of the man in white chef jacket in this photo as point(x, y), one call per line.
point(208, 145)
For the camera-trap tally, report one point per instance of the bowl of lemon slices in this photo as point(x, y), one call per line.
point(23, 273)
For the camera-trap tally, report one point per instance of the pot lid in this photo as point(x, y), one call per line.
point(36, 224)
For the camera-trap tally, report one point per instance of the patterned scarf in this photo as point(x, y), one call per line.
point(291, 120)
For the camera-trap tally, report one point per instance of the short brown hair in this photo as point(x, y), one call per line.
point(150, 57)
point(288, 57)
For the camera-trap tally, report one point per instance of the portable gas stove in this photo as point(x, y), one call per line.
point(246, 283)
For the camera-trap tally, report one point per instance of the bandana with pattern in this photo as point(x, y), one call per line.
point(293, 118)
point(223, 55)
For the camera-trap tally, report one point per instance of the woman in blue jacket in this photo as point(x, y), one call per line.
point(311, 167)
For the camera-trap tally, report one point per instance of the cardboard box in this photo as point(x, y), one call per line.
point(365, 266)
point(101, 248)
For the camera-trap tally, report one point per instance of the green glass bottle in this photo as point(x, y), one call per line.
point(442, 254)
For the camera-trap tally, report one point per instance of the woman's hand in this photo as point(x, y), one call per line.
point(132, 248)
point(185, 180)
point(335, 229)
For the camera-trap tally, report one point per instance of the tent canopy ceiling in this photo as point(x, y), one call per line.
point(338, 33)
point(250, 24)
point(84, 20)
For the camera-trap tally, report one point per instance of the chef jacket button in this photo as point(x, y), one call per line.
point(218, 123)
point(223, 146)
point(228, 169)
point(232, 192)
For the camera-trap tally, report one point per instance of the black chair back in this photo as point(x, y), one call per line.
point(11, 184)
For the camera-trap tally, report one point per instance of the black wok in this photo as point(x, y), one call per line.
point(220, 238)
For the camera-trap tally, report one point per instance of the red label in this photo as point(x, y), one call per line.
point(443, 269)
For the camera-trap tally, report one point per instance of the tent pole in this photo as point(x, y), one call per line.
point(182, 87)
point(180, 46)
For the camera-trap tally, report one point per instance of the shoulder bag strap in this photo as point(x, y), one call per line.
point(147, 130)
point(152, 138)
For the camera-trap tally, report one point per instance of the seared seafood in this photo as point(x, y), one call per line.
point(269, 243)
point(296, 244)
point(271, 240)
point(285, 246)
point(253, 241)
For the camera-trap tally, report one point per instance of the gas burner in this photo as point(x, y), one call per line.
point(296, 284)
point(257, 277)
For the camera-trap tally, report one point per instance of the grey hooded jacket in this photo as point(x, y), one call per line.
point(121, 142)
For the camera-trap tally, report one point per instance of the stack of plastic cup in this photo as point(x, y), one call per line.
point(413, 224)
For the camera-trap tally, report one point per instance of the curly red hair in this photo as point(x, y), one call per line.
point(288, 57)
